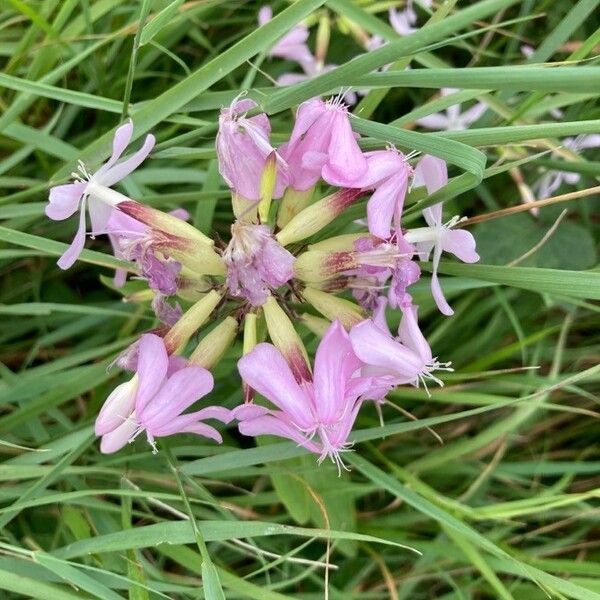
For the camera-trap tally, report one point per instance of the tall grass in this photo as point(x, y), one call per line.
point(486, 488)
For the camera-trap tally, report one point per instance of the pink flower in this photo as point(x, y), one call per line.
point(155, 398)
point(317, 414)
point(92, 191)
point(323, 144)
point(404, 21)
point(452, 119)
point(381, 262)
point(292, 46)
point(256, 263)
point(439, 237)
point(552, 180)
point(389, 361)
point(243, 147)
point(132, 240)
point(387, 173)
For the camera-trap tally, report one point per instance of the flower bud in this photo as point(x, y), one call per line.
point(197, 257)
point(323, 35)
point(250, 340)
point(318, 215)
point(157, 219)
point(315, 266)
point(292, 203)
point(214, 345)
point(338, 243)
point(332, 307)
point(179, 335)
point(286, 339)
point(245, 211)
point(317, 325)
point(192, 287)
point(267, 187)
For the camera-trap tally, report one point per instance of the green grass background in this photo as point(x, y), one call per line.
point(507, 507)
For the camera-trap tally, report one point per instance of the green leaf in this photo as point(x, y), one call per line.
point(572, 284)
point(159, 22)
point(175, 97)
point(181, 532)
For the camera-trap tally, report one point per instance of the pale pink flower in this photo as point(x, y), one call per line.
point(392, 361)
point(383, 265)
point(243, 147)
point(91, 192)
point(154, 399)
point(317, 414)
point(132, 240)
point(404, 21)
point(552, 180)
point(323, 144)
point(388, 173)
point(256, 263)
point(452, 119)
point(292, 46)
point(439, 237)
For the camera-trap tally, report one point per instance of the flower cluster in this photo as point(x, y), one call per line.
point(277, 270)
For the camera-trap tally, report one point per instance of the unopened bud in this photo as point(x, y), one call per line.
point(323, 35)
point(161, 221)
point(317, 325)
point(250, 336)
point(338, 243)
point(250, 341)
point(285, 337)
point(346, 26)
point(191, 287)
point(200, 258)
point(293, 202)
point(318, 215)
point(332, 307)
point(179, 335)
point(140, 296)
point(214, 345)
point(244, 210)
point(267, 187)
point(315, 266)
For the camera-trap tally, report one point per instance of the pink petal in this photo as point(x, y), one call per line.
point(271, 425)
point(116, 408)
point(472, 114)
point(121, 170)
point(64, 200)
point(436, 121)
point(121, 140)
point(74, 250)
point(152, 366)
point(409, 333)
point(436, 288)
point(178, 393)
point(335, 362)
point(291, 79)
point(265, 14)
point(385, 204)
point(308, 112)
point(185, 424)
point(438, 296)
point(461, 243)
point(431, 172)
point(265, 370)
point(376, 348)
point(346, 161)
point(117, 438)
point(381, 164)
point(99, 215)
